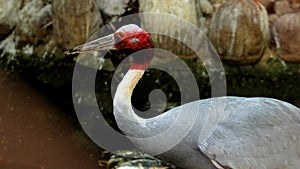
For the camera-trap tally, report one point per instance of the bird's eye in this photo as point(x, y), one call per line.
point(134, 40)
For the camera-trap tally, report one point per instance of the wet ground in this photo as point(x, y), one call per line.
point(35, 134)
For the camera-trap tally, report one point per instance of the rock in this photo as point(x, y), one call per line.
point(217, 3)
point(287, 37)
point(34, 20)
point(113, 7)
point(282, 7)
point(29, 21)
point(206, 7)
point(266, 3)
point(136, 160)
point(272, 19)
point(269, 5)
point(74, 21)
point(5, 30)
point(36, 53)
point(240, 31)
point(32, 39)
point(295, 4)
point(8, 16)
point(183, 9)
point(8, 47)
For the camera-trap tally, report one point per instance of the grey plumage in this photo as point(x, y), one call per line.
point(254, 133)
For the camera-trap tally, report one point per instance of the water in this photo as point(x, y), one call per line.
point(35, 134)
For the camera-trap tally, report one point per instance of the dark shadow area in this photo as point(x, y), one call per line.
point(36, 134)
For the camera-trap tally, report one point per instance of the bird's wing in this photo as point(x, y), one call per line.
point(255, 133)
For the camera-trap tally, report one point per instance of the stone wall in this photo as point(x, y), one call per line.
point(251, 36)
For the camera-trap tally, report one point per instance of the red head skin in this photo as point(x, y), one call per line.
point(133, 42)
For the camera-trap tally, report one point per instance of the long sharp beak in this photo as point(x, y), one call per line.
point(104, 43)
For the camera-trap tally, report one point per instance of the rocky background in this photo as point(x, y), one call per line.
point(252, 37)
point(257, 40)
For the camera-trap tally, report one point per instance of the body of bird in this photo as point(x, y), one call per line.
point(233, 132)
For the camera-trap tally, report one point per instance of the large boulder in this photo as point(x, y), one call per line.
point(282, 7)
point(74, 21)
point(287, 37)
point(34, 22)
point(31, 33)
point(240, 31)
point(182, 9)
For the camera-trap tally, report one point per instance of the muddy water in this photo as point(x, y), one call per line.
point(35, 134)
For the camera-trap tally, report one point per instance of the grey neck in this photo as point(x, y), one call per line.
point(126, 118)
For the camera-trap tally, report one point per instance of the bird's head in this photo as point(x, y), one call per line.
point(130, 38)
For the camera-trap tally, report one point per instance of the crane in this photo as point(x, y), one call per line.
point(256, 133)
